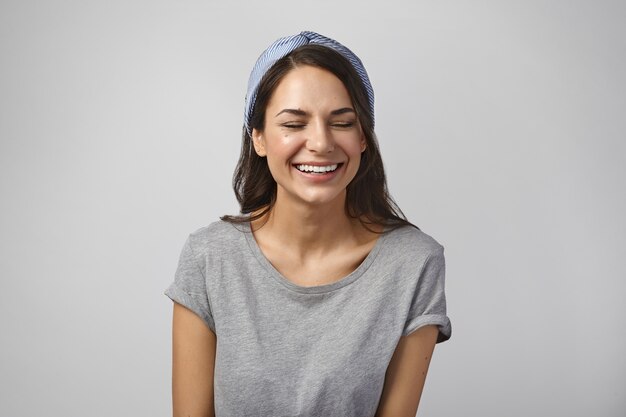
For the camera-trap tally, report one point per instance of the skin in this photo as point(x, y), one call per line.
point(406, 373)
point(307, 236)
point(193, 363)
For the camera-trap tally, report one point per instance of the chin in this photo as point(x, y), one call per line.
point(315, 199)
point(323, 200)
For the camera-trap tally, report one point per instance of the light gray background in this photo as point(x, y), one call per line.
point(502, 129)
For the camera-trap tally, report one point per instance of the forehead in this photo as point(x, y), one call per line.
point(310, 87)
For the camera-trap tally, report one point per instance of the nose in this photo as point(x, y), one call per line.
point(320, 139)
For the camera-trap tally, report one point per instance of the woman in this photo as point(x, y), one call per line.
point(320, 299)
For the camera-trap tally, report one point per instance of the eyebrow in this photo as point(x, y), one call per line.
point(298, 112)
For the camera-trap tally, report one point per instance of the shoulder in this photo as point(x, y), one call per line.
point(407, 241)
point(218, 236)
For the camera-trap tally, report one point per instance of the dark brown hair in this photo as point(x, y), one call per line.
point(367, 196)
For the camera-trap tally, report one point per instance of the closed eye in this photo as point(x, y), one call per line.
point(343, 125)
point(293, 125)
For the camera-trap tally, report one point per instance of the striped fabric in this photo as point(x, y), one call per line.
point(284, 46)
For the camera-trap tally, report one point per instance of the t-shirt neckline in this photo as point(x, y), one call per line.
point(317, 289)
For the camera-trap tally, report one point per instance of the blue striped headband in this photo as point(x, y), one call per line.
point(284, 46)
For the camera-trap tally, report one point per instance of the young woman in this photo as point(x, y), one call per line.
point(320, 298)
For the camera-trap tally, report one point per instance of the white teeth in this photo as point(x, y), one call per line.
point(316, 168)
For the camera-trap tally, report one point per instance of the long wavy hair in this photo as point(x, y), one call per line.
point(367, 195)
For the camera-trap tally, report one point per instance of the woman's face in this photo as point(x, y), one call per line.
point(312, 138)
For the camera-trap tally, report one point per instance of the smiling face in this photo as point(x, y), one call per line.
point(311, 137)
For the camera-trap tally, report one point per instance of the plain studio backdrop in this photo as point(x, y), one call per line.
point(502, 127)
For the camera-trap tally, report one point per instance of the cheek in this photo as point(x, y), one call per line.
point(353, 147)
point(282, 148)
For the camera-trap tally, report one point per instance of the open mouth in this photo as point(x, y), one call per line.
point(317, 169)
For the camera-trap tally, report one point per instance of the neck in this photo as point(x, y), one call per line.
point(309, 228)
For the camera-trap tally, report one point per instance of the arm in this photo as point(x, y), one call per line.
point(406, 373)
point(193, 362)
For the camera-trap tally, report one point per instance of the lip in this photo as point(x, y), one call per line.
point(317, 164)
point(319, 178)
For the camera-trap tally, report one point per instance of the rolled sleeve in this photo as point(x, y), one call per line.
point(428, 306)
point(189, 286)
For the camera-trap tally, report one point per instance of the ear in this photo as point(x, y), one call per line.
point(363, 143)
point(258, 142)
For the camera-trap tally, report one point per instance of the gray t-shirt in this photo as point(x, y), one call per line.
point(288, 350)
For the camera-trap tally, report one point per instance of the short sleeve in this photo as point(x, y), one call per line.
point(189, 286)
point(428, 306)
